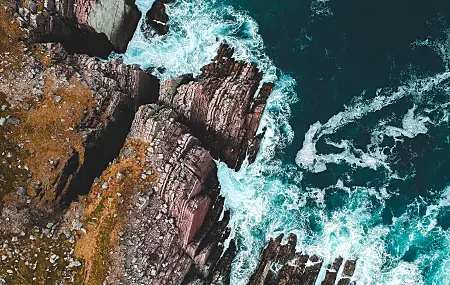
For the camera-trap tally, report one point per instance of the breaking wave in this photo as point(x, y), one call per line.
point(397, 238)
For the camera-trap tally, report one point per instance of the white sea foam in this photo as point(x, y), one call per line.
point(307, 157)
point(267, 198)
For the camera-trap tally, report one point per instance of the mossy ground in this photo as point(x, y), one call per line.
point(105, 211)
point(49, 130)
point(12, 173)
point(28, 260)
point(11, 45)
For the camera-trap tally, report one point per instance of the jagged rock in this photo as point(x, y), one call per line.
point(185, 189)
point(156, 20)
point(220, 107)
point(296, 268)
point(186, 169)
point(83, 26)
point(117, 90)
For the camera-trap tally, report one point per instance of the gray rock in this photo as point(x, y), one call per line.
point(21, 191)
point(13, 121)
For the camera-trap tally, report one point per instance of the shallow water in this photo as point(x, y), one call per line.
point(356, 157)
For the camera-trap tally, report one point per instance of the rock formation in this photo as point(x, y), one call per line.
point(156, 20)
point(220, 106)
point(89, 136)
point(111, 175)
point(154, 214)
point(173, 231)
point(83, 26)
point(297, 268)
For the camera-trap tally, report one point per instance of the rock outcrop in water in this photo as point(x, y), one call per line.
point(220, 106)
point(156, 20)
point(296, 268)
point(173, 231)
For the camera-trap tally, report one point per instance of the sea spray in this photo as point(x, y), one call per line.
point(373, 222)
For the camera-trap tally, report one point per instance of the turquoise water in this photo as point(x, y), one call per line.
point(356, 157)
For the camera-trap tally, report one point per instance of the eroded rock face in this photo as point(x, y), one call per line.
point(168, 217)
point(297, 268)
point(220, 106)
point(83, 26)
point(112, 93)
point(173, 232)
point(186, 172)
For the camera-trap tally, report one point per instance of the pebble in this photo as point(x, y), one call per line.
point(21, 191)
point(13, 121)
point(105, 186)
point(2, 121)
point(76, 225)
point(58, 99)
point(53, 258)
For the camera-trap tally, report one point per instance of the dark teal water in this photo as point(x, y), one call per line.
point(356, 157)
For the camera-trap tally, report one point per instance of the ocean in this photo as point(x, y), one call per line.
point(355, 160)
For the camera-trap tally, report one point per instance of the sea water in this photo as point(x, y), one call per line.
point(355, 160)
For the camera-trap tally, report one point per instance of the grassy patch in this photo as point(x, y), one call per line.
point(105, 210)
point(11, 46)
point(29, 260)
point(48, 131)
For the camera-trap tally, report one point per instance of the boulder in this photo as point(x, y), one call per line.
point(156, 20)
point(83, 26)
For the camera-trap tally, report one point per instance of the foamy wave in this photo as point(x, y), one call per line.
point(307, 157)
point(268, 198)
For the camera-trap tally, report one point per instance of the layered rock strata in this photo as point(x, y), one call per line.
point(78, 141)
point(157, 245)
point(222, 106)
point(174, 233)
point(83, 26)
point(298, 268)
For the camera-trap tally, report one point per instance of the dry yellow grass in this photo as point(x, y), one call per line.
point(11, 46)
point(105, 210)
point(49, 130)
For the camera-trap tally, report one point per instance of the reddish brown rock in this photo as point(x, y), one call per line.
point(297, 268)
point(83, 26)
point(161, 240)
point(220, 107)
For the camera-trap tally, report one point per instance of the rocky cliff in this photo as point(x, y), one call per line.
point(281, 264)
point(107, 175)
point(107, 170)
point(220, 106)
point(83, 26)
